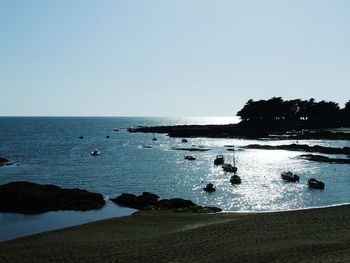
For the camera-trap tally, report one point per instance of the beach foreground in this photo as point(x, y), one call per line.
point(316, 235)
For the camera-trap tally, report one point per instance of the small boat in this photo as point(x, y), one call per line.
point(107, 136)
point(95, 152)
point(235, 179)
point(154, 138)
point(146, 146)
point(209, 188)
point(115, 129)
point(229, 168)
point(81, 137)
point(184, 140)
point(219, 160)
point(289, 176)
point(313, 183)
point(190, 157)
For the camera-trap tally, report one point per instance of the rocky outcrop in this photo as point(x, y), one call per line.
point(149, 201)
point(175, 203)
point(215, 131)
point(301, 147)
point(137, 202)
point(190, 149)
point(324, 159)
point(4, 161)
point(32, 198)
point(247, 129)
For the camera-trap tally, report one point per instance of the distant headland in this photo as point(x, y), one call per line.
point(300, 119)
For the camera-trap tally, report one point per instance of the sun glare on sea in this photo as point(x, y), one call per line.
point(218, 120)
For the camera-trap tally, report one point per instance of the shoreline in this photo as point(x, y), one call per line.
point(247, 129)
point(289, 210)
point(86, 216)
point(307, 235)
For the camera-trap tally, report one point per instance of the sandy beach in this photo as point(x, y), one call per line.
point(316, 235)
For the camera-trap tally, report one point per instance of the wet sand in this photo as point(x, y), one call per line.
point(316, 235)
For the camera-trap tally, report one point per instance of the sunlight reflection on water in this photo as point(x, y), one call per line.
point(47, 150)
point(262, 189)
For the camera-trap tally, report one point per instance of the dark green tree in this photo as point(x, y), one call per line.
point(346, 114)
point(318, 114)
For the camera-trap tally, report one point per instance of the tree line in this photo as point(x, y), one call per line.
point(322, 113)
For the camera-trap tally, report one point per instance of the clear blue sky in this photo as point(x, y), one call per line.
point(169, 58)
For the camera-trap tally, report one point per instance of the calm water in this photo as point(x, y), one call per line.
point(48, 150)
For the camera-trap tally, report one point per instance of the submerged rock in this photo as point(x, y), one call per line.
point(192, 149)
point(175, 203)
point(32, 198)
point(149, 201)
point(3, 161)
point(324, 159)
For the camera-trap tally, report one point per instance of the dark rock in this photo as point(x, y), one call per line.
point(148, 201)
point(150, 197)
point(192, 149)
point(128, 200)
point(137, 202)
point(31, 198)
point(301, 147)
point(3, 161)
point(216, 131)
point(247, 129)
point(175, 203)
point(324, 159)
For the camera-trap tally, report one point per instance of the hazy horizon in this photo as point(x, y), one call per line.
point(169, 58)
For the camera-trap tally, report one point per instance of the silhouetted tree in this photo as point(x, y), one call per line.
point(247, 112)
point(346, 114)
point(318, 114)
point(325, 111)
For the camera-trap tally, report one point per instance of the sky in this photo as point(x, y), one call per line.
point(169, 58)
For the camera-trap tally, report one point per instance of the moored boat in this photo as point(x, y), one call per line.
point(290, 177)
point(95, 152)
point(235, 179)
point(154, 138)
point(313, 183)
point(209, 188)
point(219, 160)
point(229, 168)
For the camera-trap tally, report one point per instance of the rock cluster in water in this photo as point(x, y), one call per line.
point(150, 201)
point(324, 159)
point(32, 198)
point(246, 129)
point(301, 147)
point(4, 161)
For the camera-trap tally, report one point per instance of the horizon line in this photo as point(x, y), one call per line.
point(117, 116)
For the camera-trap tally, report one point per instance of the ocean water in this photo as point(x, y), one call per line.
point(48, 150)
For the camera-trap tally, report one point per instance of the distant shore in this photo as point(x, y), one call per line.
point(252, 130)
point(311, 235)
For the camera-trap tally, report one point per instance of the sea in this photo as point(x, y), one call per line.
point(48, 150)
